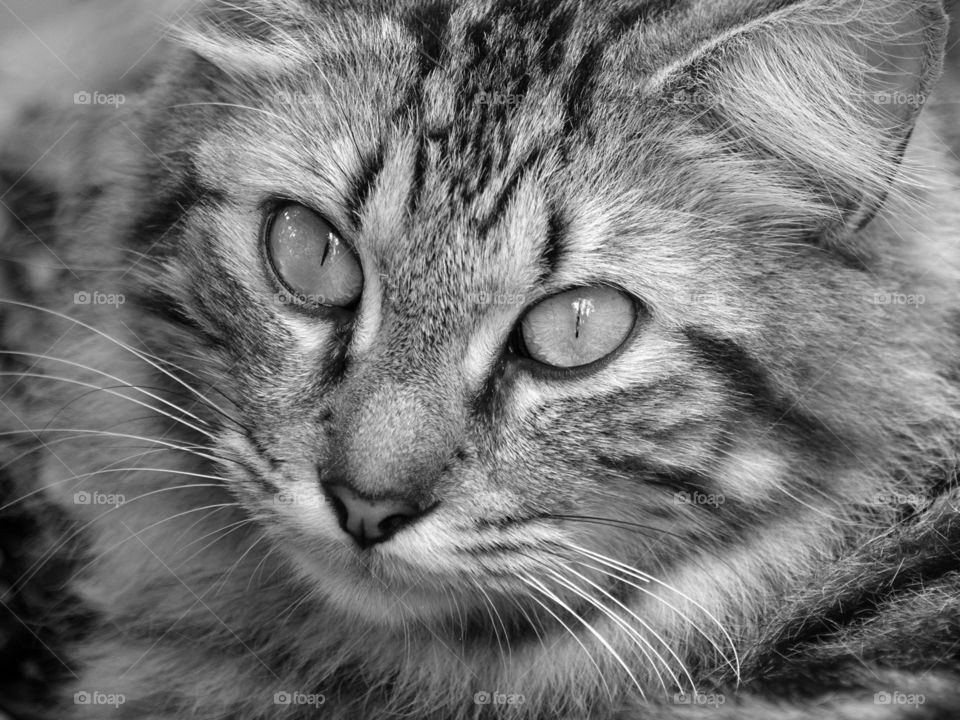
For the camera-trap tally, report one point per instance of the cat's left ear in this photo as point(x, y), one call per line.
point(249, 40)
point(830, 88)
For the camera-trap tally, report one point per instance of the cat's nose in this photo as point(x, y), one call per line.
point(370, 521)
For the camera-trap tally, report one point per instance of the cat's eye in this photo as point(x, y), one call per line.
point(311, 260)
point(577, 327)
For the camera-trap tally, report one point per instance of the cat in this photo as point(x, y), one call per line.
point(504, 359)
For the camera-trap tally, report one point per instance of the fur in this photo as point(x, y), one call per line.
point(764, 207)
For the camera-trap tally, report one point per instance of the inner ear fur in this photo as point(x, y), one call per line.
point(831, 89)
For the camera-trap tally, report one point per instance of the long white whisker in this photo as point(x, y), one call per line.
point(260, 564)
point(117, 544)
point(236, 563)
point(107, 470)
point(108, 433)
point(646, 626)
point(488, 606)
point(229, 528)
point(686, 618)
point(533, 624)
point(570, 632)
point(649, 578)
point(118, 343)
point(38, 490)
point(110, 391)
point(33, 569)
point(639, 641)
point(121, 381)
point(603, 641)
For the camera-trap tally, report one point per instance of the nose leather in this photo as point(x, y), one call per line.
point(370, 520)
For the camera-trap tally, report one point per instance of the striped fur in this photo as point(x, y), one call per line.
point(765, 209)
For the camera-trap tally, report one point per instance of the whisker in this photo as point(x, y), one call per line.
point(125, 383)
point(143, 356)
point(204, 382)
point(531, 622)
point(634, 572)
point(229, 528)
point(236, 563)
point(46, 446)
point(110, 391)
point(33, 569)
point(105, 471)
point(260, 564)
point(649, 629)
point(620, 622)
point(686, 618)
point(488, 605)
point(603, 641)
point(117, 544)
point(107, 433)
point(613, 522)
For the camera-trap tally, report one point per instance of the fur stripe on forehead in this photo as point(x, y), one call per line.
point(258, 37)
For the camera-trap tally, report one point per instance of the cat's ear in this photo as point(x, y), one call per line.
point(247, 40)
point(831, 88)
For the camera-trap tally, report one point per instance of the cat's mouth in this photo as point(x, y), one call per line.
point(424, 577)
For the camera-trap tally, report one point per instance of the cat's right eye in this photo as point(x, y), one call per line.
point(577, 327)
point(311, 260)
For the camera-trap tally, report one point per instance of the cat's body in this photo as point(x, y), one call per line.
point(753, 496)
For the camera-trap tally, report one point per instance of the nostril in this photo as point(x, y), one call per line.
point(370, 520)
point(392, 524)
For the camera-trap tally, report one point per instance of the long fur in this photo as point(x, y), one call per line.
point(789, 239)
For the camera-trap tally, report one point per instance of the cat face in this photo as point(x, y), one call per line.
point(504, 295)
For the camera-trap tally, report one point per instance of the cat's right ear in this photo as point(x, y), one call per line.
point(829, 90)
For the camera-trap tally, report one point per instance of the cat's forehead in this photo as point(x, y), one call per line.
point(453, 139)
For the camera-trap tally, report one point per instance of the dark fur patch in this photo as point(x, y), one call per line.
point(751, 382)
point(370, 167)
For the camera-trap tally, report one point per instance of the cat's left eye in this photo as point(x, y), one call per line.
point(577, 327)
point(311, 260)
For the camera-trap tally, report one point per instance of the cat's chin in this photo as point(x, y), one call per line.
point(364, 590)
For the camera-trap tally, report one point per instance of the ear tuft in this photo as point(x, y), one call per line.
point(830, 89)
point(250, 40)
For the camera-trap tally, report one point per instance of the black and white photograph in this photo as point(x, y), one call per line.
point(479, 360)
